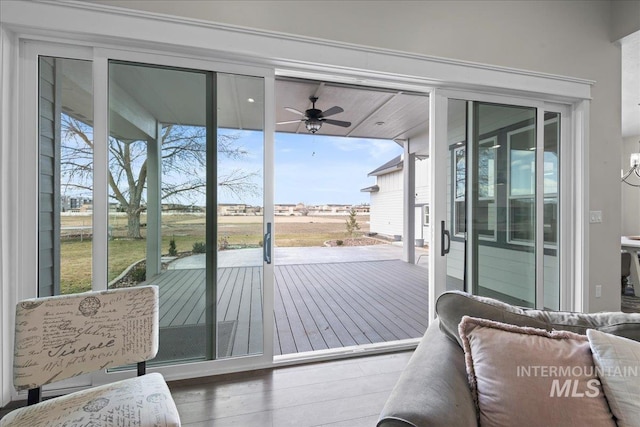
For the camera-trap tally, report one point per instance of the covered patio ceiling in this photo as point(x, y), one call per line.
point(142, 96)
point(373, 112)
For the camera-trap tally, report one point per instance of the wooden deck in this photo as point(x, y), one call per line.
point(317, 306)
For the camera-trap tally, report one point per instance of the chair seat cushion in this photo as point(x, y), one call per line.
point(144, 401)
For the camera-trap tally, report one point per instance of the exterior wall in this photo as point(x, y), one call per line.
point(423, 194)
point(49, 255)
point(503, 270)
point(386, 205)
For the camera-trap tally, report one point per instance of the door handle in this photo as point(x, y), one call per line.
point(444, 237)
point(266, 245)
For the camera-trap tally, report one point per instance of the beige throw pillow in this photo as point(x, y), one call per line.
point(618, 362)
point(523, 376)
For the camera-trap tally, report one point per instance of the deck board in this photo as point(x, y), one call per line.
point(342, 284)
point(343, 335)
point(316, 306)
point(329, 337)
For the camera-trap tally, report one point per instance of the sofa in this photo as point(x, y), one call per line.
point(434, 389)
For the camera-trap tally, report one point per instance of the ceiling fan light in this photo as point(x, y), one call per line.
point(313, 125)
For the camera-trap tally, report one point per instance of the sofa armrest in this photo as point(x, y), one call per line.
point(433, 388)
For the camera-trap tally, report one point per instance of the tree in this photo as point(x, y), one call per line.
point(352, 222)
point(183, 151)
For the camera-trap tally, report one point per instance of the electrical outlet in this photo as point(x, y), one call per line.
point(598, 291)
point(595, 217)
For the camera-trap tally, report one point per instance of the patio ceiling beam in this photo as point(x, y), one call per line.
point(124, 109)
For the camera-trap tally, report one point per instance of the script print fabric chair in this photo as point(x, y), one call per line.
point(64, 336)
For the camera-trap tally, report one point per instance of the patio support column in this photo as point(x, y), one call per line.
point(154, 204)
point(408, 204)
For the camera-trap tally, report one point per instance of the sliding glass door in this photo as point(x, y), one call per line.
point(185, 154)
point(500, 230)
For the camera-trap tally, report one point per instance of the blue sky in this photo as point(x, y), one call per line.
point(315, 169)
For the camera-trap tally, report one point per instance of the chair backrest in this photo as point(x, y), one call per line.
point(64, 336)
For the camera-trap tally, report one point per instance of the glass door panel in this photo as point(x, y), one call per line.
point(240, 219)
point(160, 124)
point(502, 189)
point(551, 210)
point(498, 189)
point(456, 194)
point(65, 146)
point(185, 180)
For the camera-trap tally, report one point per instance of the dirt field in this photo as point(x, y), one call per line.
point(242, 228)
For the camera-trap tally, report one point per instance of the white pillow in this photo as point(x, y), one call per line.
point(618, 362)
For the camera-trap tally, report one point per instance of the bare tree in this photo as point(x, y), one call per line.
point(183, 151)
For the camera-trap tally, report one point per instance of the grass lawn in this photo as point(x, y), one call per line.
point(187, 229)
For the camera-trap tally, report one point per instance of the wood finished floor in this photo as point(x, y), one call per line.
point(349, 392)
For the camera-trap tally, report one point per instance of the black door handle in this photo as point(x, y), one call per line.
point(444, 237)
point(266, 245)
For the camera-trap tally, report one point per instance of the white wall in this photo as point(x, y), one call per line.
point(630, 211)
point(386, 205)
point(560, 37)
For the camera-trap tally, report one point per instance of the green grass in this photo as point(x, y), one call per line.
point(75, 270)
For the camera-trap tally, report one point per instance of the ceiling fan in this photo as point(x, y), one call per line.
point(314, 118)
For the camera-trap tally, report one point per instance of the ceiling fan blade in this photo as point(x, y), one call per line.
point(337, 123)
point(290, 121)
point(331, 111)
point(293, 110)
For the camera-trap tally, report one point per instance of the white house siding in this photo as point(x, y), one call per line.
point(508, 272)
point(455, 261)
point(422, 173)
point(386, 204)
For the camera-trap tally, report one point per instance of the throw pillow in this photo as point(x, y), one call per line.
point(618, 362)
point(523, 376)
point(453, 305)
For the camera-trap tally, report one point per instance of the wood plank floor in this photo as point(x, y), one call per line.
point(348, 392)
point(316, 307)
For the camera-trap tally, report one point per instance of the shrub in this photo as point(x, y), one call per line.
point(139, 273)
point(339, 242)
point(172, 247)
point(223, 243)
point(352, 222)
point(199, 248)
